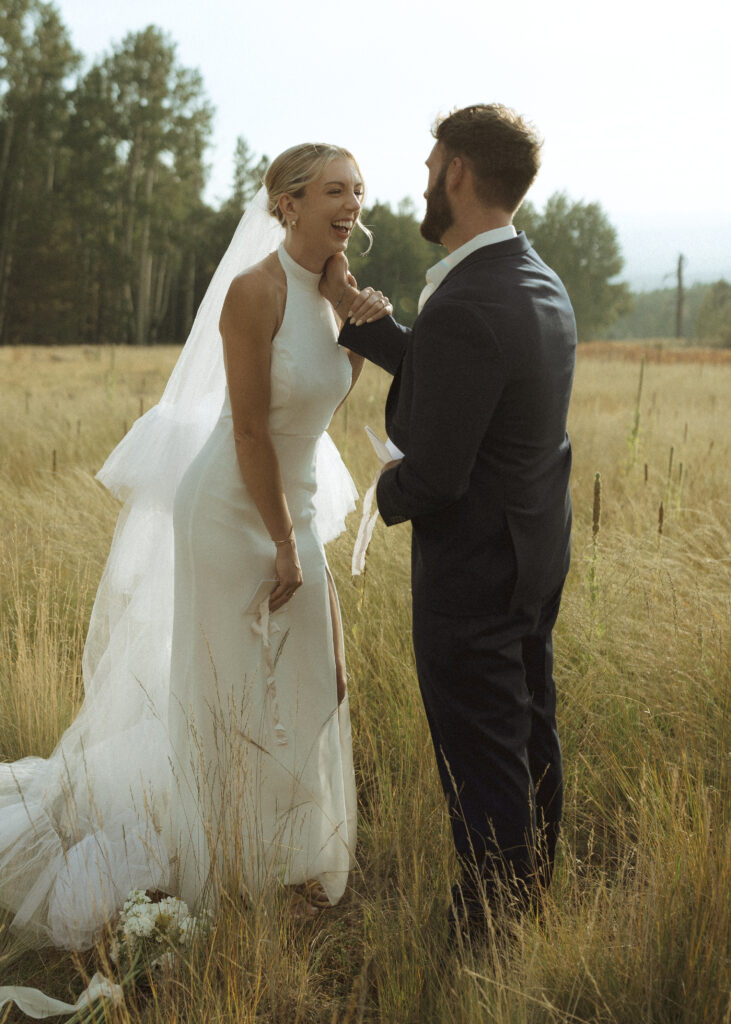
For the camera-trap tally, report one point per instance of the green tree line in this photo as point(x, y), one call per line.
point(706, 316)
point(104, 233)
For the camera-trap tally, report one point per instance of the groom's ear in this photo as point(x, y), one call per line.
point(455, 172)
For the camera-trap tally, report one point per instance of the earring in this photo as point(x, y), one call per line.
point(293, 224)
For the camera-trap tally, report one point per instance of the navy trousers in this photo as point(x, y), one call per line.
point(490, 697)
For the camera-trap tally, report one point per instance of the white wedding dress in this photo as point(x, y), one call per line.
point(219, 756)
point(261, 751)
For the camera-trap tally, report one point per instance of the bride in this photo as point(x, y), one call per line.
point(213, 746)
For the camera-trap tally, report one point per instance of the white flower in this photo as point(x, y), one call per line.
point(188, 929)
point(164, 963)
point(141, 926)
point(135, 898)
point(173, 906)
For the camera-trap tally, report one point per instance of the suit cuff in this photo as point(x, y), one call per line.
point(387, 495)
point(382, 342)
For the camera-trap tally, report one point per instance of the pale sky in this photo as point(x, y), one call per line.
point(632, 98)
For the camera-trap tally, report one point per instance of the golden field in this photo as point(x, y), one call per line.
point(637, 928)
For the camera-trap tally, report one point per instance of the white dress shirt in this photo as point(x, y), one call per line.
point(436, 274)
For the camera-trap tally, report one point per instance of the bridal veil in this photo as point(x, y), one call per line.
point(80, 829)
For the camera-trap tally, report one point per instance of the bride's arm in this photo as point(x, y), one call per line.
point(250, 318)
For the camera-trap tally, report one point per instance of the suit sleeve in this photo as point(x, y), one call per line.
point(459, 373)
point(383, 342)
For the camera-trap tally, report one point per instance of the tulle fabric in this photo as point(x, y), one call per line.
point(78, 830)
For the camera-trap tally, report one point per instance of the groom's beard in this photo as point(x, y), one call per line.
point(438, 217)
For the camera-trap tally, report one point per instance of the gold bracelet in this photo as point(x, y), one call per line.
point(287, 539)
point(341, 298)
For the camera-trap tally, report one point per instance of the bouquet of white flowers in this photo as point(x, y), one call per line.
point(150, 934)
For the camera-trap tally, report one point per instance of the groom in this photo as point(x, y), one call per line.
point(478, 405)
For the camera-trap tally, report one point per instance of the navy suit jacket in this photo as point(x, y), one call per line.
point(478, 405)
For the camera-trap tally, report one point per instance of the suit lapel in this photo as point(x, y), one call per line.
point(486, 253)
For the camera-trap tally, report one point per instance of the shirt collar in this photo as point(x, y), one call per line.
point(436, 274)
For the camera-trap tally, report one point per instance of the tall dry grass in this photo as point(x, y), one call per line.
point(637, 927)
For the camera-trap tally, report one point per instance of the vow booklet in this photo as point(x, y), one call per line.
point(385, 450)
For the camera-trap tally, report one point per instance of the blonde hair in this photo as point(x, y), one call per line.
point(293, 170)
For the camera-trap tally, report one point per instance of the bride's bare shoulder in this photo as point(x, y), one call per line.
point(260, 290)
point(264, 280)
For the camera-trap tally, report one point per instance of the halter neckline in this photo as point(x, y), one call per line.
point(291, 266)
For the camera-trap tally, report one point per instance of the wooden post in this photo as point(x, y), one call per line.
point(679, 300)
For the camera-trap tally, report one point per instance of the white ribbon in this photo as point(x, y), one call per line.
point(264, 627)
point(365, 530)
point(33, 1003)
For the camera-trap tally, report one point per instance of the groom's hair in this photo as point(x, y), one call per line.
point(503, 150)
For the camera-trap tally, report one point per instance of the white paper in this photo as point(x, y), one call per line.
point(393, 451)
point(387, 451)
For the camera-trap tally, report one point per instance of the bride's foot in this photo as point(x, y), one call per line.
point(308, 900)
point(300, 910)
